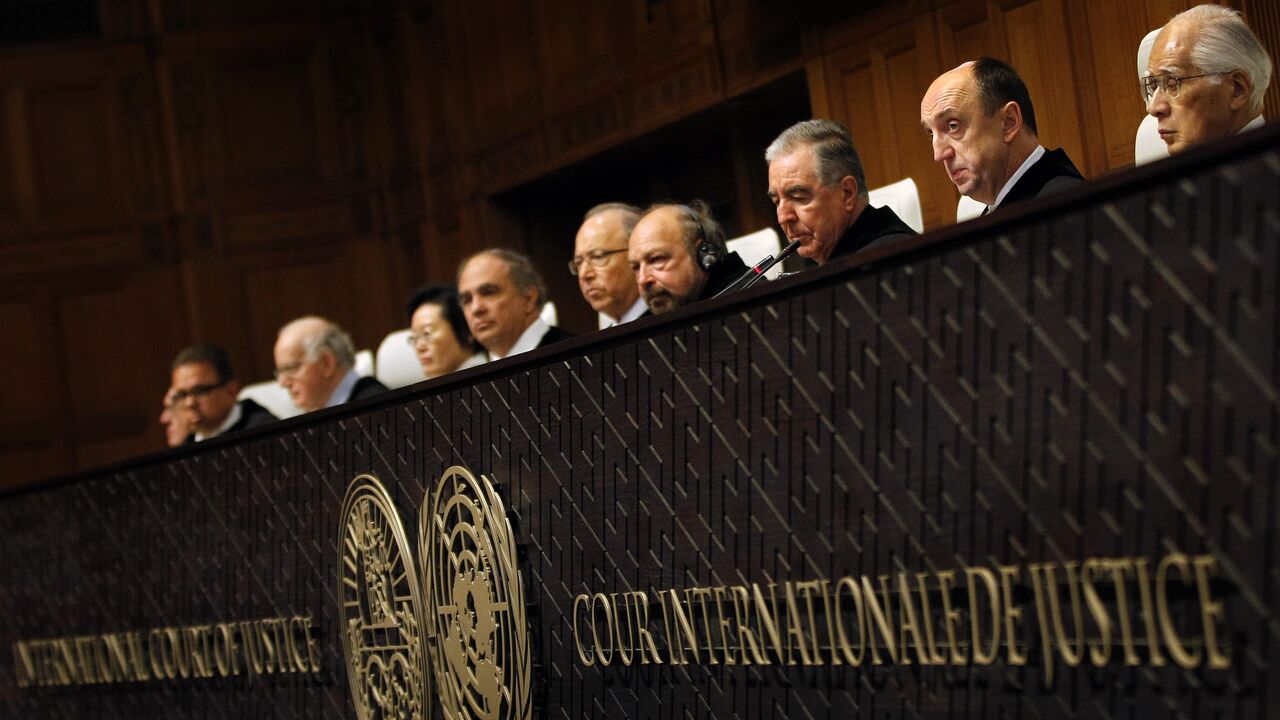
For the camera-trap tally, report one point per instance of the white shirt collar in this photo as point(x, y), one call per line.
point(635, 311)
point(1253, 124)
point(233, 417)
point(528, 340)
point(1032, 159)
point(342, 393)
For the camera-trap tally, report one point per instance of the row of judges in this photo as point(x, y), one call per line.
point(1205, 81)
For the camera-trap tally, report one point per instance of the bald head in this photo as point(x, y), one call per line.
point(981, 125)
point(312, 356)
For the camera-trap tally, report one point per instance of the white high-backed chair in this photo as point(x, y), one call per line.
point(397, 364)
point(271, 396)
point(757, 246)
point(1147, 145)
point(904, 199)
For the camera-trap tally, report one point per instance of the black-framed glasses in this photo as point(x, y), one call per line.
point(1170, 84)
point(597, 258)
point(196, 392)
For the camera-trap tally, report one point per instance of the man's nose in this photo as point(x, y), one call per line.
point(786, 213)
point(1158, 105)
point(942, 148)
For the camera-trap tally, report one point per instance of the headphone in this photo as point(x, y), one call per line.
point(707, 252)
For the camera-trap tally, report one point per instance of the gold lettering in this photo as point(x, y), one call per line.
point(1156, 658)
point(950, 615)
point(828, 610)
point(222, 652)
point(908, 624)
point(701, 594)
point(81, 670)
point(926, 616)
point(1042, 614)
point(1118, 567)
point(718, 595)
point(795, 630)
point(265, 636)
point(648, 648)
point(313, 647)
point(625, 645)
point(854, 659)
point(23, 665)
point(1211, 611)
point(580, 600)
point(806, 589)
point(747, 641)
point(139, 669)
point(1071, 654)
point(600, 602)
point(1177, 650)
point(118, 656)
point(1100, 649)
point(880, 618)
point(1009, 574)
point(298, 630)
point(251, 641)
point(155, 653)
point(768, 619)
point(988, 578)
point(686, 638)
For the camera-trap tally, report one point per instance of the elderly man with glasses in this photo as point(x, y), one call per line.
point(600, 263)
point(202, 398)
point(315, 362)
point(1206, 77)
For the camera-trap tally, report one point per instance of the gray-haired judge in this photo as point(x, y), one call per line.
point(600, 263)
point(315, 362)
point(1206, 77)
point(817, 185)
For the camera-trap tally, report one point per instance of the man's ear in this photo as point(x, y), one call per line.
point(327, 362)
point(1010, 121)
point(530, 299)
point(234, 387)
point(849, 192)
point(1241, 89)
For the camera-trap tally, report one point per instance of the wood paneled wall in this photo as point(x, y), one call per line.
point(207, 170)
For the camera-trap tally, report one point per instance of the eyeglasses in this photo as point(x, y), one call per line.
point(197, 392)
point(597, 258)
point(412, 339)
point(287, 371)
point(1170, 84)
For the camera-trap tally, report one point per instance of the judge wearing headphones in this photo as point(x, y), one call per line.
point(678, 255)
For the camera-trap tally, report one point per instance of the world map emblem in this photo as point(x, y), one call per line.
point(379, 607)
point(474, 600)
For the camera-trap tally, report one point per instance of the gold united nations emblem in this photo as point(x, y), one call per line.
point(380, 604)
point(474, 600)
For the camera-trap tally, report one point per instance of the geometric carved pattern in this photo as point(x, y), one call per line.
point(1101, 381)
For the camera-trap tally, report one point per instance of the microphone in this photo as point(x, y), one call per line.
point(753, 275)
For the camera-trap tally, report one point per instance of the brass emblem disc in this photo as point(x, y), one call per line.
point(474, 600)
point(379, 607)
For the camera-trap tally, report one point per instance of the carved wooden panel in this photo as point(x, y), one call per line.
point(875, 85)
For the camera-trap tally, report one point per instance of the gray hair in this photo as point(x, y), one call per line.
point(1225, 43)
point(630, 214)
point(523, 274)
point(696, 225)
point(834, 156)
point(333, 339)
